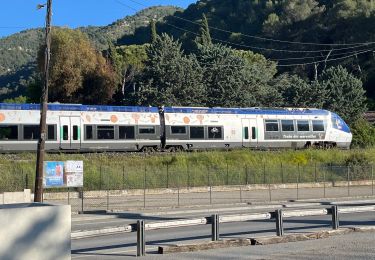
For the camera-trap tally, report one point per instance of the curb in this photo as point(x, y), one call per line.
point(269, 240)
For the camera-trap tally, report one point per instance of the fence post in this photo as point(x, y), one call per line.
point(246, 176)
point(227, 183)
point(123, 177)
point(298, 174)
point(215, 235)
point(315, 175)
point(27, 181)
point(348, 179)
point(167, 175)
point(144, 188)
point(100, 184)
point(269, 186)
point(68, 196)
point(178, 190)
point(188, 174)
point(282, 173)
point(82, 201)
point(324, 182)
point(335, 217)
point(264, 173)
point(209, 183)
point(141, 243)
point(372, 179)
point(279, 222)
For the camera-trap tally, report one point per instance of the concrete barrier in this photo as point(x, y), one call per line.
point(35, 231)
point(16, 197)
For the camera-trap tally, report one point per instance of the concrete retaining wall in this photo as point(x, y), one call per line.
point(35, 231)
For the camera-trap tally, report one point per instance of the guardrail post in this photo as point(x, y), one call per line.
point(141, 244)
point(215, 227)
point(279, 222)
point(335, 217)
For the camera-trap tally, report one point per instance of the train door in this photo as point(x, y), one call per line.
point(70, 132)
point(249, 133)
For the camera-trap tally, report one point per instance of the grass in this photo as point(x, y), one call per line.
point(129, 170)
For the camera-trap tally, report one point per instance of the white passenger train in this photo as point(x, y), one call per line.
point(119, 128)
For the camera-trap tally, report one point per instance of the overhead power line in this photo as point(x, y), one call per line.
point(266, 49)
point(325, 60)
point(263, 38)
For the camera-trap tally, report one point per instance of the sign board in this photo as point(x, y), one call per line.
point(53, 174)
point(63, 174)
point(73, 173)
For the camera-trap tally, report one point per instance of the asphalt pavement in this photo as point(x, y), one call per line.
point(123, 245)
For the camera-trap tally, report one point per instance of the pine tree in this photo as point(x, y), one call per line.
point(205, 36)
point(154, 34)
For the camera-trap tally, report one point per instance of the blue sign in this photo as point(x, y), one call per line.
point(53, 174)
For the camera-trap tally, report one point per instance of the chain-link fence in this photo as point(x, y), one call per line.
point(119, 187)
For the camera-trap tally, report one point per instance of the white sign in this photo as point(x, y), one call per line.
point(73, 173)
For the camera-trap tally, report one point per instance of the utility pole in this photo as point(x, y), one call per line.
point(38, 191)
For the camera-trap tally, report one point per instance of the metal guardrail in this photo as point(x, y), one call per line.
point(215, 220)
point(141, 227)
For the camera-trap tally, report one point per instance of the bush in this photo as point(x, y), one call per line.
point(363, 134)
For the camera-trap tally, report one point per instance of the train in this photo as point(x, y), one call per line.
point(94, 128)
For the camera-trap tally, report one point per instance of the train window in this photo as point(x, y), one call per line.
point(253, 133)
point(51, 132)
point(287, 125)
point(106, 131)
point(8, 132)
point(318, 125)
point(272, 125)
point(126, 132)
point(215, 132)
point(89, 132)
point(178, 130)
point(303, 125)
point(196, 132)
point(65, 134)
point(147, 130)
point(31, 132)
point(246, 132)
point(75, 132)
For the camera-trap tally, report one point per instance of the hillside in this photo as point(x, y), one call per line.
point(18, 51)
point(266, 27)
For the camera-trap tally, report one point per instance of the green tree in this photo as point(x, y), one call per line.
point(170, 77)
point(296, 92)
point(204, 37)
point(154, 34)
point(345, 94)
point(17, 100)
point(78, 74)
point(235, 78)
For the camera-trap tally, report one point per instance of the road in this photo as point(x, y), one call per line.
point(119, 246)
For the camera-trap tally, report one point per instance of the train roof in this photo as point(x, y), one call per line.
point(252, 110)
point(192, 110)
point(78, 107)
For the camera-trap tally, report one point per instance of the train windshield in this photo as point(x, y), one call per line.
point(338, 123)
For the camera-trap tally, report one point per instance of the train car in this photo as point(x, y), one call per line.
point(202, 128)
point(80, 128)
point(119, 128)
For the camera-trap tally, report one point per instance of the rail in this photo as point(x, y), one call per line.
point(215, 220)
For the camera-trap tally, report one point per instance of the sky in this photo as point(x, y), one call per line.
point(18, 15)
